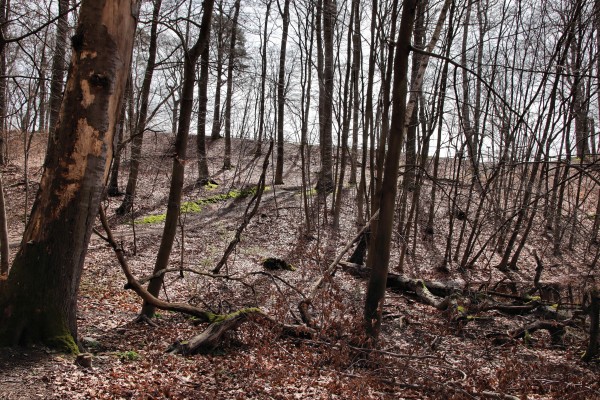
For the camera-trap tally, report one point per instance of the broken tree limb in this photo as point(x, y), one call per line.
point(307, 301)
point(202, 315)
point(248, 214)
point(134, 285)
point(592, 349)
point(211, 337)
point(403, 283)
point(556, 329)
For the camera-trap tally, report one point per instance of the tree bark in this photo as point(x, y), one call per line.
point(3, 16)
point(39, 304)
point(229, 95)
point(263, 81)
point(4, 250)
point(285, 15)
point(58, 65)
point(140, 126)
point(203, 173)
point(177, 175)
point(325, 182)
point(378, 259)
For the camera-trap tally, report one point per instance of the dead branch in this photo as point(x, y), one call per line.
point(134, 285)
point(306, 302)
point(556, 329)
point(255, 200)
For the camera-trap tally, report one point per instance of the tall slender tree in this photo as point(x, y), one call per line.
point(285, 15)
point(378, 260)
point(140, 126)
point(190, 60)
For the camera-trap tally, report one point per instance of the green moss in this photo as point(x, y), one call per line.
point(217, 318)
point(63, 343)
point(211, 186)
point(527, 338)
point(152, 219)
point(128, 355)
point(190, 207)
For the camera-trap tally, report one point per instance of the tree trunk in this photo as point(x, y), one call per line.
point(229, 95)
point(285, 15)
point(378, 259)
point(263, 82)
point(3, 16)
point(4, 250)
point(140, 126)
point(39, 304)
point(346, 111)
point(58, 65)
point(356, 60)
point(113, 185)
point(203, 173)
point(220, 43)
point(325, 182)
point(177, 175)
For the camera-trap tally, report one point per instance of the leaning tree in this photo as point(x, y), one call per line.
point(38, 301)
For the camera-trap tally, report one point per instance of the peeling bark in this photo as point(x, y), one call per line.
point(40, 301)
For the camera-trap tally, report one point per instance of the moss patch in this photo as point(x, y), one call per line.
point(63, 343)
point(216, 318)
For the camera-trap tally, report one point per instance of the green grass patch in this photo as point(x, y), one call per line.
point(196, 206)
point(128, 355)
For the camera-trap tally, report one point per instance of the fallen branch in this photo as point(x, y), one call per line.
point(556, 329)
point(210, 338)
point(134, 285)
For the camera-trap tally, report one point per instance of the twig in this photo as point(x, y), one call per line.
point(304, 304)
point(247, 215)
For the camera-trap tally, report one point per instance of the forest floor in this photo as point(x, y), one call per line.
point(423, 352)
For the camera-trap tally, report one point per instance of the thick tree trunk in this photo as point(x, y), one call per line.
point(325, 182)
point(177, 174)
point(39, 303)
point(378, 259)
